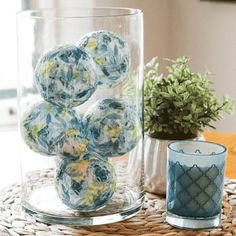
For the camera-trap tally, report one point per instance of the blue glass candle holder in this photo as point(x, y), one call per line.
point(195, 184)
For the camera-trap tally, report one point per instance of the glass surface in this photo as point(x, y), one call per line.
point(195, 184)
point(38, 32)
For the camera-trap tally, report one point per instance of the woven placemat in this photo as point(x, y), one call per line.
point(150, 221)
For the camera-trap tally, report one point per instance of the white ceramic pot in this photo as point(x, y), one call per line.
point(155, 159)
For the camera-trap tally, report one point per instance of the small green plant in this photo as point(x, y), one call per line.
point(180, 103)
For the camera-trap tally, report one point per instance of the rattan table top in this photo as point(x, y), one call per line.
point(150, 221)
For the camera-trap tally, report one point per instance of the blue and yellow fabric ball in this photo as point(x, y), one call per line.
point(111, 54)
point(73, 143)
point(66, 76)
point(43, 125)
point(113, 127)
point(86, 184)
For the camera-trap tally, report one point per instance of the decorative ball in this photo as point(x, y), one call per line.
point(43, 125)
point(66, 76)
point(111, 54)
point(73, 144)
point(85, 185)
point(113, 127)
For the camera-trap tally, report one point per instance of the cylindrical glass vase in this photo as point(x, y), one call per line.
point(80, 113)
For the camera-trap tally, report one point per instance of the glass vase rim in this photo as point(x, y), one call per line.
point(224, 149)
point(125, 12)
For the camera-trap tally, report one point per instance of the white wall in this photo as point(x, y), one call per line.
point(36, 4)
point(205, 31)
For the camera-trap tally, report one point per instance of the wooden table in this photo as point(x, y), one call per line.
point(229, 140)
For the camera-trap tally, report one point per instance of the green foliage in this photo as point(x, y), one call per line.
point(181, 102)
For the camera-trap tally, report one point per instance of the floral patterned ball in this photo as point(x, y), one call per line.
point(66, 76)
point(85, 185)
point(73, 144)
point(43, 125)
point(113, 127)
point(111, 54)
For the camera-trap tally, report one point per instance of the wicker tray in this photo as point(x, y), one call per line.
point(150, 221)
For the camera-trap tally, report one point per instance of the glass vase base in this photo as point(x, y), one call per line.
point(40, 200)
point(83, 221)
point(192, 223)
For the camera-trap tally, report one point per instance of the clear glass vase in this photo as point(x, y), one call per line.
point(80, 113)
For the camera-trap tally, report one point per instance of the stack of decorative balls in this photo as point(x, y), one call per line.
point(66, 77)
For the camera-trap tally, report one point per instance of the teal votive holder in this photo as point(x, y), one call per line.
point(195, 184)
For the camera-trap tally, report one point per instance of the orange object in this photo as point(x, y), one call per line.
point(228, 140)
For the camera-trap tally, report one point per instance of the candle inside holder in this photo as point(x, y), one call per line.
point(195, 191)
point(195, 183)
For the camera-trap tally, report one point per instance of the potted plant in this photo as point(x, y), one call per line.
point(176, 106)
